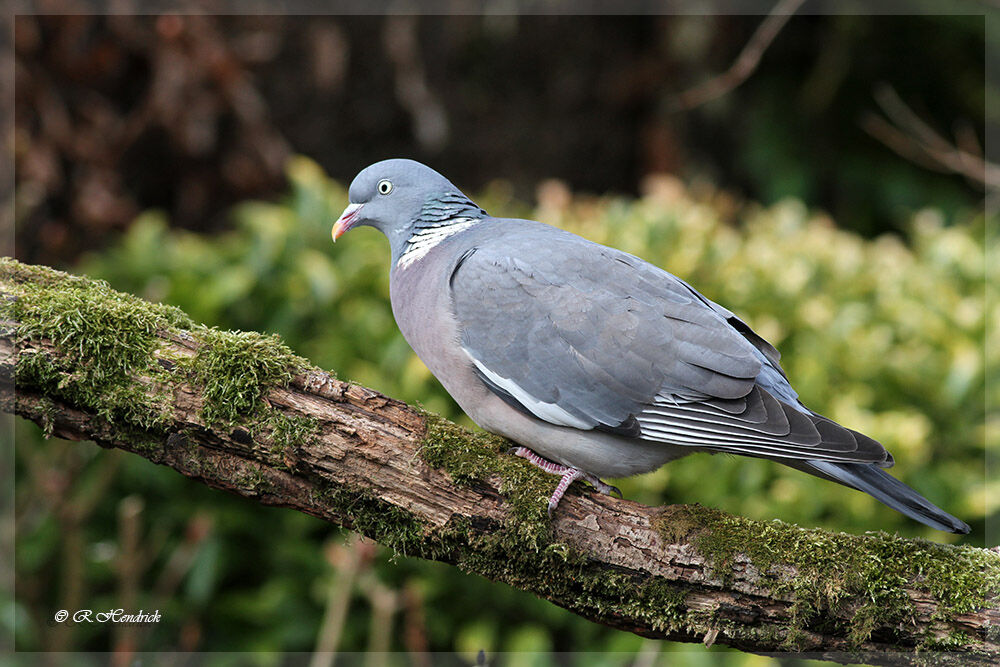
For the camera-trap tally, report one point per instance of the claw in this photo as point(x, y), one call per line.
point(603, 487)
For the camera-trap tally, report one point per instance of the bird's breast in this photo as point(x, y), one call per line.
point(421, 304)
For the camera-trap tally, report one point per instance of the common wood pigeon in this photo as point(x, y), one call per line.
point(595, 362)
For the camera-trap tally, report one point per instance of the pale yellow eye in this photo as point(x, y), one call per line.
point(384, 186)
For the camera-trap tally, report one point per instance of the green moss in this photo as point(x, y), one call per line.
point(385, 523)
point(287, 432)
point(48, 408)
point(472, 457)
point(105, 338)
point(954, 639)
point(13, 271)
point(864, 576)
point(676, 522)
point(252, 480)
point(234, 367)
point(105, 341)
point(147, 448)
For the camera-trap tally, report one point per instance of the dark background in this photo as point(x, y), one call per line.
point(115, 115)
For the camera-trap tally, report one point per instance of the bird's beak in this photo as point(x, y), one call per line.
point(345, 221)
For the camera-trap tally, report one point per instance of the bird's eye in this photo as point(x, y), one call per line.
point(384, 186)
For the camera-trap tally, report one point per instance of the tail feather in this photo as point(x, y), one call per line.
point(885, 488)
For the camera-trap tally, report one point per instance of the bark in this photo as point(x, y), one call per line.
point(658, 572)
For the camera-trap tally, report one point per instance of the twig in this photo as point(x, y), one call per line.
point(347, 561)
point(130, 564)
point(415, 627)
point(79, 498)
point(384, 602)
point(745, 63)
point(430, 119)
point(911, 137)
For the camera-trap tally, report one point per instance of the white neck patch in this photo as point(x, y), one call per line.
point(428, 236)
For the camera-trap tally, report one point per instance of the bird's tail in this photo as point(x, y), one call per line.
point(885, 488)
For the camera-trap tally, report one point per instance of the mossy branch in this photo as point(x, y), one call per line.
point(239, 411)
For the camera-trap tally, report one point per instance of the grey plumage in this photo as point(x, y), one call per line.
point(591, 357)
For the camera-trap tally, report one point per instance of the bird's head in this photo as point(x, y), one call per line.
point(391, 194)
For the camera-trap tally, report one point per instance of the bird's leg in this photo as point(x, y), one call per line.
point(541, 462)
point(569, 475)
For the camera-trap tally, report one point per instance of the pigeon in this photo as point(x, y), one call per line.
point(596, 363)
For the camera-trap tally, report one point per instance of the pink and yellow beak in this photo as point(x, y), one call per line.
point(345, 221)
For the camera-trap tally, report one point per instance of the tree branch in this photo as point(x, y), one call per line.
point(912, 138)
point(237, 411)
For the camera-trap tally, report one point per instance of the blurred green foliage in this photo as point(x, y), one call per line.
point(885, 336)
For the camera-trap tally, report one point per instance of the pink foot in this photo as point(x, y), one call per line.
point(569, 475)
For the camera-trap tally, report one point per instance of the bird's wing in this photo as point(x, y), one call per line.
point(585, 336)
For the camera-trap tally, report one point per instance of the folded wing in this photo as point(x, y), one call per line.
point(588, 337)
